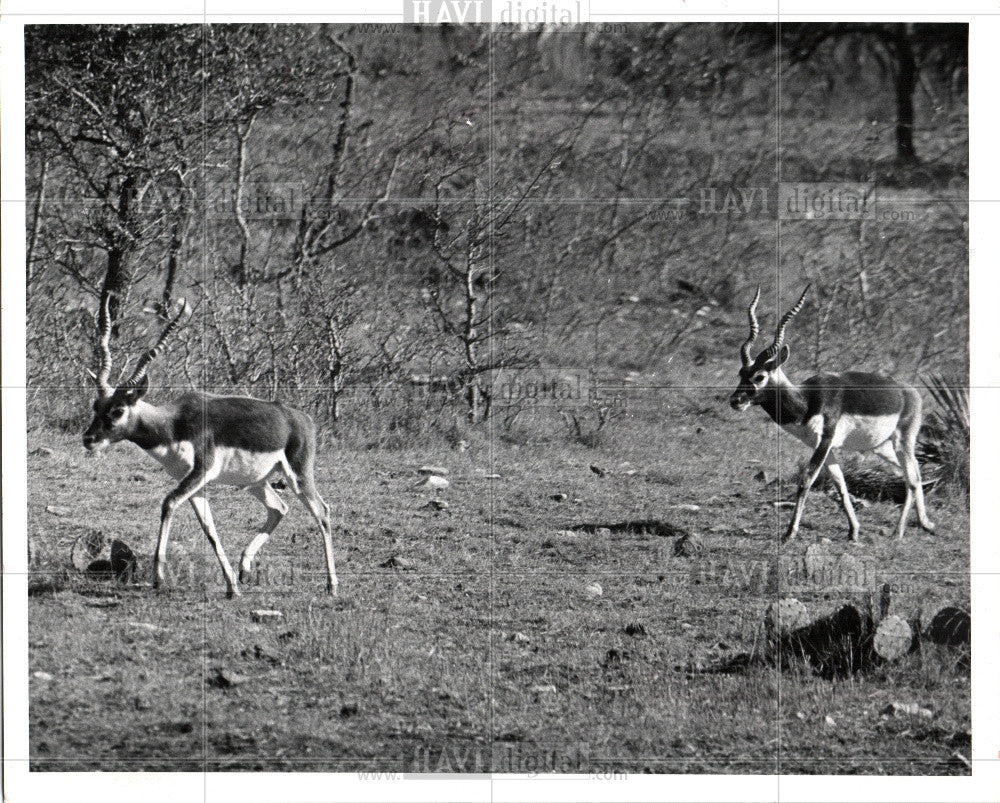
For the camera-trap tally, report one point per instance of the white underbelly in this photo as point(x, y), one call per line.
point(853, 433)
point(230, 466)
point(240, 467)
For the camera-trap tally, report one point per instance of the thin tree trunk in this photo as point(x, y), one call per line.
point(906, 84)
point(36, 221)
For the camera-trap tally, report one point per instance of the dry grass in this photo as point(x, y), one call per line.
point(491, 645)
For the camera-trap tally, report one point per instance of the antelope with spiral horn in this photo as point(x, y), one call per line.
point(203, 439)
point(851, 412)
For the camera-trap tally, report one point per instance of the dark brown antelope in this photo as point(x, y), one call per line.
point(203, 439)
point(852, 411)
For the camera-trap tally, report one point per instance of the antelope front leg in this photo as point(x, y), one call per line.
point(808, 478)
point(189, 486)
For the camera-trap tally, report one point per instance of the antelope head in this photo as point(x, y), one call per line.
point(757, 373)
point(116, 411)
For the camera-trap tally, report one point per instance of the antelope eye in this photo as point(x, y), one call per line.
point(759, 377)
point(116, 413)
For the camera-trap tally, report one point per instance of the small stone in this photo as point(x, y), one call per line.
point(566, 534)
point(558, 497)
point(688, 546)
point(520, 638)
point(829, 721)
point(600, 472)
point(42, 451)
point(907, 710)
point(782, 504)
point(147, 626)
point(765, 476)
point(433, 483)
point(688, 508)
point(58, 510)
point(437, 504)
point(265, 615)
point(226, 679)
point(603, 532)
point(42, 675)
point(544, 688)
point(635, 630)
point(436, 471)
point(397, 562)
point(594, 590)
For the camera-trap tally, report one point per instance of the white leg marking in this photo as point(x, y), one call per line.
point(276, 510)
point(845, 497)
point(204, 513)
point(321, 512)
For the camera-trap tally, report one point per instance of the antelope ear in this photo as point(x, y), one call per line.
point(132, 394)
point(779, 358)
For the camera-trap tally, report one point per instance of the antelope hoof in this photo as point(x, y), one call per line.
point(245, 575)
point(854, 535)
point(232, 592)
point(790, 535)
point(159, 578)
point(331, 589)
point(928, 526)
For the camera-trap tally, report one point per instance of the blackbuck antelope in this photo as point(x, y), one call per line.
point(202, 439)
point(852, 411)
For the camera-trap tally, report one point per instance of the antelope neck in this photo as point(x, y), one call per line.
point(153, 427)
point(784, 402)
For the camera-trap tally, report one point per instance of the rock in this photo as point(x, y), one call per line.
point(600, 472)
point(893, 638)
point(765, 476)
point(42, 451)
point(785, 615)
point(567, 534)
point(950, 627)
point(849, 572)
point(544, 688)
point(437, 504)
point(397, 562)
point(603, 532)
point(520, 638)
point(687, 546)
point(558, 497)
point(436, 471)
point(58, 510)
point(225, 679)
point(635, 630)
point(818, 562)
point(829, 721)
point(266, 615)
point(594, 590)
point(781, 505)
point(688, 508)
point(138, 477)
point(895, 709)
point(39, 675)
point(433, 483)
point(104, 559)
point(124, 564)
point(149, 627)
